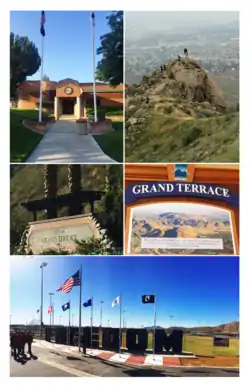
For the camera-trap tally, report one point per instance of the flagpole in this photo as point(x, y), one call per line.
point(154, 327)
point(80, 311)
point(120, 331)
point(91, 326)
point(69, 325)
point(41, 84)
point(93, 61)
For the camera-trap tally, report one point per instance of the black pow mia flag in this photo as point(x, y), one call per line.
point(148, 299)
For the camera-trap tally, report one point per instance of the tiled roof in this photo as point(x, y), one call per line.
point(34, 85)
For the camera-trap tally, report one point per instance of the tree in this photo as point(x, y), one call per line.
point(110, 67)
point(24, 61)
point(112, 216)
point(74, 184)
point(50, 187)
point(45, 78)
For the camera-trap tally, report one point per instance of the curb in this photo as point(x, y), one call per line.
point(144, 365)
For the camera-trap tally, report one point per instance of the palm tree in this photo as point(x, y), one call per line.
point(50, 187)
point(74, 184)
point(114, 203)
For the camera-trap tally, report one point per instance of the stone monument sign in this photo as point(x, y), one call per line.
point(61, 233)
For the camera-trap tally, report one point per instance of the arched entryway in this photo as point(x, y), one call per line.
point(67, 102)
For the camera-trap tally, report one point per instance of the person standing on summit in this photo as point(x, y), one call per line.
point(186, 52)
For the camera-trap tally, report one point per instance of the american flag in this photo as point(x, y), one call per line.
point(42, 22)
point(72, 281)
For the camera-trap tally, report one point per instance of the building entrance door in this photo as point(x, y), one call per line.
point(68, 105)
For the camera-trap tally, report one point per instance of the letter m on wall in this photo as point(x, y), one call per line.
point(172, 342)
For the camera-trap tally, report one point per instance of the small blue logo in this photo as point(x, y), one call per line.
point(180, 172)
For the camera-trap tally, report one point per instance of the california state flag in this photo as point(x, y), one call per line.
point(50, 309)
point(116, 301)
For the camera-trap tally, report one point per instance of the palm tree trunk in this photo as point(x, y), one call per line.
point(50, 188)
point(74, 184)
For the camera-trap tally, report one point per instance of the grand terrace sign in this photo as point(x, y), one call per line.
point(158, 189)
point(61, 233)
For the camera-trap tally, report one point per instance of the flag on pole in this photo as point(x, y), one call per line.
point(72, 281)
point(148, 299)
point(92, 18)
point(50, 309)
point(88, 303)
point(116, 301)
point(66, 306)
point(42, 22)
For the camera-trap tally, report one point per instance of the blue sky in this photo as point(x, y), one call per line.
point(194, 290)
point(67, 44)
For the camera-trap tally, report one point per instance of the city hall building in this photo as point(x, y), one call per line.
point(68, 97)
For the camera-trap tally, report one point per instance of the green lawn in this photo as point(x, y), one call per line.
point(112, 143)
point(203, 345)
point(22, 140)
point(200, 345)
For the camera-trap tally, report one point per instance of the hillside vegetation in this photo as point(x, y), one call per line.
point(178, 115)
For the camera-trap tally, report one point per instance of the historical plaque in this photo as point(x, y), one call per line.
point(61, 233)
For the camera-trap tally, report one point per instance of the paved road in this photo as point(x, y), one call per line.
point(61, 144)
point(35, 368)
point(55, 361)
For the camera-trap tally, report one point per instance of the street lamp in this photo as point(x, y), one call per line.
point(51, 305)
point(101, 313)
point(43, 265)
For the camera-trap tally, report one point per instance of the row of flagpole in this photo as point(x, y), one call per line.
point(76, 280)
point(42, 32)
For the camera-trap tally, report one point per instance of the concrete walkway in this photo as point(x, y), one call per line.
point(61, 144)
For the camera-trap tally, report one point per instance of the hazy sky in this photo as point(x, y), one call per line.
point(164, 20)
point(189, 209)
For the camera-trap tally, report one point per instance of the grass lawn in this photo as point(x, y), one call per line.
point(201, 345)
point(22, 140)
point(112, 143)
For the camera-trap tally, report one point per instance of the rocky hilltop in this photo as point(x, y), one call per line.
point(171, 114)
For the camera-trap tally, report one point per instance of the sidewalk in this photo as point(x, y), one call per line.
point(124, 357)
point(61, 144)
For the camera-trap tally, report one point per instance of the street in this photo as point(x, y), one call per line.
point(53, 363)
point(35, 369)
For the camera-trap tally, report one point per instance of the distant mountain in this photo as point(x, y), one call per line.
point(228, 328)
point(149, 222)
point(152, 327)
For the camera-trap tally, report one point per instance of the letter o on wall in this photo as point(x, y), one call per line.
point(110, 338)
point(137, 339)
